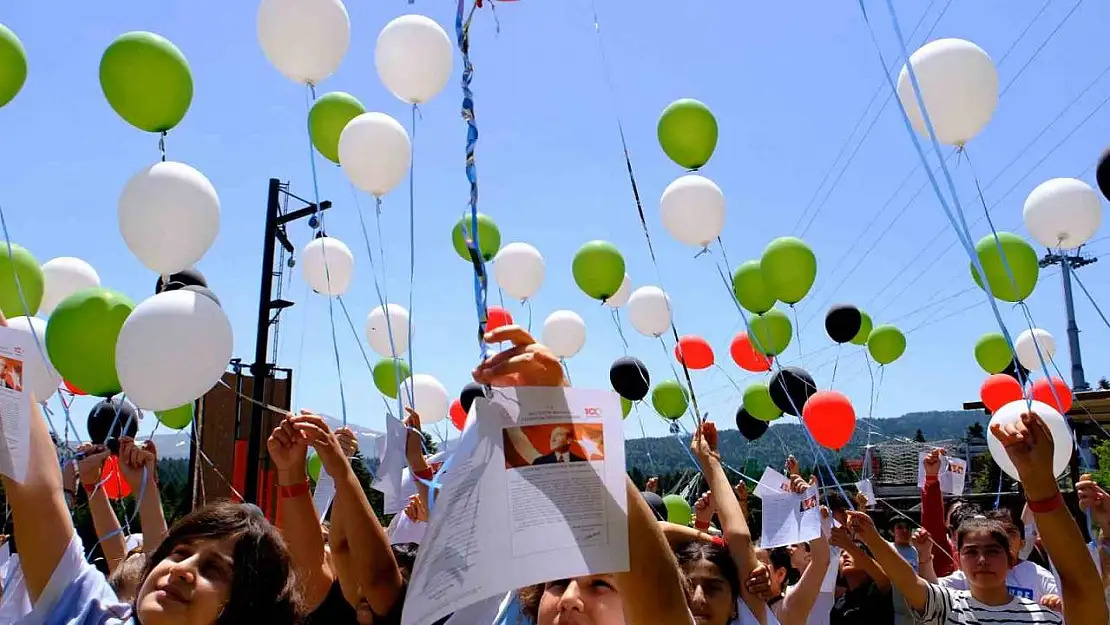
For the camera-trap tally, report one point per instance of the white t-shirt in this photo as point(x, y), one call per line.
point(745, 616)
point(78, 594)
point(945, 606)
point(1027, 580)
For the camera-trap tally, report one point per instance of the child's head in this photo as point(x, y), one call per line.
point(224, 563)
point(712, 581)
point(984, 550)
point(1014, 531)
point(128, 576)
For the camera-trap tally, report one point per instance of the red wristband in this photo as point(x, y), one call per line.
point(427, 474)
point(701, 526)
point(719, 541)
point(89, 490)
point(296, 490)
point(1046, 505)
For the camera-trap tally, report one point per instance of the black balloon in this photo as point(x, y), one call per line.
point(180, 280)
point(655, 502)
point(105, 428)
point(1102, 173)
point(469, 393)
point(750, 427)
point(791, 388)
point(842, 322)
point(1017, 371)
point(629, 378)
point(205, 291)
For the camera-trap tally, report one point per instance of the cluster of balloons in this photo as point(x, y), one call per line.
point(1033, 351)
point(845, 323)
point(785, 273)
point(692, 207)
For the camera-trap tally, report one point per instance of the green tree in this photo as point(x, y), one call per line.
point(919, 436)
point(1104, 384)
point(1102, 454)
point(975, 430)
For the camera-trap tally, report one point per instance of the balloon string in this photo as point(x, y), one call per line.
point(412, 244)
point(528, 305)
point(1098, 310)
point(162, 145)
point(836, 363)
point(801, 354)
point(310, 97)
point(566, 370)
point(354, 333)
point(620, 329)
point(388, 317)
point(378, 287)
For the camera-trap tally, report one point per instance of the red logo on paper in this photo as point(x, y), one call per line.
point(19, 351)
point(593, 412)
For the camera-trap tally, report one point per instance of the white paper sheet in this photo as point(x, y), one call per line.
point(953, 477)
point(388, 479)
point(864, 486)
point(324, 494)
point(788, 518)
point(15, 402)
point(507, 518)
point(828, 584)
point(403, 530)
point(771, 481)
point(394, 504)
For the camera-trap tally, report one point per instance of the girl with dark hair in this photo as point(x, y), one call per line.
point(984, 554)
point(222, 564)
point(712, 582)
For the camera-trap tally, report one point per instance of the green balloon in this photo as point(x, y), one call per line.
point(688, 133)
point(598, 269)
point(81, 338)
point(770, 332)
point(864, 329)
point(314, 466)
point(1021, 258)
point(147, 81)
point(670, 399)
point(758, 402)
point(13, 65)
point(489, 237)
point(177, 418)
point(678, 511)
point(750, 289)
point(789, 269)
point(993, 353)
point(328, 118)
point(626, 407)
point(22, 264)
point(886, 344)
point(388, 375)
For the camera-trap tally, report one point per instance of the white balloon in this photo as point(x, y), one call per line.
point(36, 364)
point(379, 328)
point(327, 265)
point(959, 85)
point(304, 39)
point(564, 333)
point(429, 397)
point(172, 349)
point(693, 210)
point(649, 309)
point(414, 57)
point(620, 298)
point(1062, 212)
point(1025, 347)
point(169, 215)
point(1057, 425)
point(62, 277)
point(519, 269)
point(375, 152)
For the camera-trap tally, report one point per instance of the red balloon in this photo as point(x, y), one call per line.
point(830, 418)
point(999, 390)
point(694, 351)
point(496, 317)
point(458, 415)
point(1042, 392)
point(746, 356)
point(72, 389)
point(112, 480)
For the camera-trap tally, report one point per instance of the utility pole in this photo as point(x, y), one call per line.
point(262, 370)
point(1069, 264)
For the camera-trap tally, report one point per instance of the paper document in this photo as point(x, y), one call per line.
point(772, 481)
point(16, 383)
point(388, 480)
point(403, 529)
point(324, 494)
point(952, 474)
point(864, 486)
point(395, 503)
point(789, 518)
point(535, 492)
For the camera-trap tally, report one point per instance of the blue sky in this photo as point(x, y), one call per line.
point(787, 82)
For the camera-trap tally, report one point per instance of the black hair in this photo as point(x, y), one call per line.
point(835, 502)
point(980, 523)
point(780, 558)
point(405, 555)
point(1006, 518)
point(963, 510)
point(263, 586)
point(695, 551)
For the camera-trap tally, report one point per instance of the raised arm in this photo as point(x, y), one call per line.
point(932, 516)
point(371, 557)
point(733, 524)
point(134, 461)
point(797, 605)
point(900, 573)
point(414, 455)
point(337, 538)
point(1029, 445)
point(112, 541)
point(300, 525)
point(923, 542)
point(39, 508)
